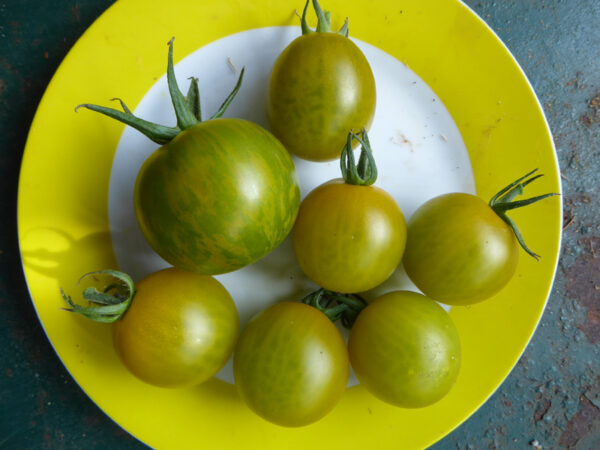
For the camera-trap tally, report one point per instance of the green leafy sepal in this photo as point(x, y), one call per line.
point(108, 304)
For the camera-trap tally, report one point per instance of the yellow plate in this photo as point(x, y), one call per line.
point(64, 231)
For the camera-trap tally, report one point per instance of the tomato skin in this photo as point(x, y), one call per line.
point(458, 250)
point(218, 197)
point(179, 330)
point(349, 238)
point(291, 364)
point(405, 349)
point(320, 88)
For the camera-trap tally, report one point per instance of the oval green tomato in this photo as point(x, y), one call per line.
point(218, 197)
point(179, 330)
point(291, 364)
point(349, 238)
point(405, 349)
point(321, 87)
point(458, 250)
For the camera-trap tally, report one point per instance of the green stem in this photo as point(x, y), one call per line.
point(185, 116)
point(365, 173)
point(337, 306)
point(503, 202)
point(303, 23)
point(323, 20)
point(230, 97)
point(192, 99)
point(157, 133)
point(187, 108)
point(110, 303)
point(344, 30)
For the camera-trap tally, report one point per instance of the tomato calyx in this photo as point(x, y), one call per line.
point(323, 21)
point(111, 302)
point(365, 172)
point(187, 107)
point(503, 202)
point(337, 306)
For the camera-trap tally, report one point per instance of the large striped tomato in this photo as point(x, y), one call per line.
point(217, 195)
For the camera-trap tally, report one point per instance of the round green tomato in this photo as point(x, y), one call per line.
point(321, 87)
point(291, 364)
point(405, 349)
point(179, 330)
point(458, 250)
point(218, 197)
point(349, 238)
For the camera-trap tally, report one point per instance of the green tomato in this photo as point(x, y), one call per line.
point(321, 87)
point(459, 251)
point(349, 238)
point(291, 364)
point(405, 349)
point(179, 330)
point(218, 197)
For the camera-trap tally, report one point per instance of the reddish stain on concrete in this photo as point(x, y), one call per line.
point(583, 285)
point(581, 424)
point(541, 410)
point(41, 401)
point(592, 115)
point(76, 13)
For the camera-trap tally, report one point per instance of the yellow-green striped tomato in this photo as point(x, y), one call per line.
point(219, 196)
point(320, 88)
point(461, 250)
point(349, 238)
point(405, 349)
point(290, 364)
point(179, 330)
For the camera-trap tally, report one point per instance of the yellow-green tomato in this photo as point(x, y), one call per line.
point(291, 364)
point(179, 330)
point(405, 349)
point(459, 251)
point(349, 238)
point(321, 87)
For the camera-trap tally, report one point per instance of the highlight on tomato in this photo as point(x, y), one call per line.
point(349, 235)
point(290, 364)
point(218, 194)
point(320, 87)
point(461, 250)
point(172, 329)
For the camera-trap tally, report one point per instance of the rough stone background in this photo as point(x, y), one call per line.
point(552, 397)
